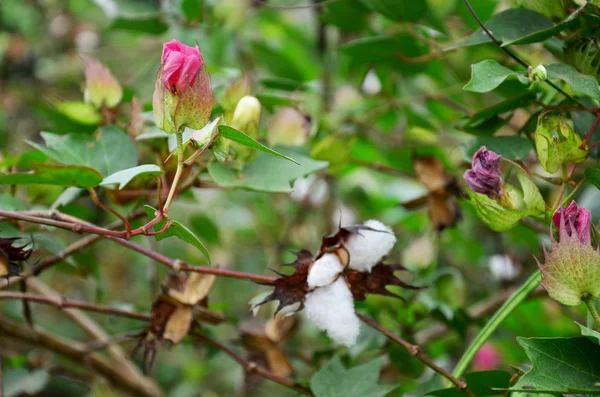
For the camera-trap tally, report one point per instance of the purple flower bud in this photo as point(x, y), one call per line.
point(484, 175)
point(579, 218)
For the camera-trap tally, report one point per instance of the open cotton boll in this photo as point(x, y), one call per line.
point(368, 247)
point(324, 270)
point(331, 308)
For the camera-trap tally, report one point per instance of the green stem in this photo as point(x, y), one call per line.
point(591, 305)
point(177, 173)
point(519, 296)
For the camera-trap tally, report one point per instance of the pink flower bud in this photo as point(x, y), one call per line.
point(484, 175)
point(180, 65)
point(101, 87)
point(487, 358)
point(574, 217)
point(182, 92)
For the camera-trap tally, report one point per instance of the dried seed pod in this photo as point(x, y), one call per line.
point(291, 289)
point(264, 342)
point(442, 187)
point(182, 303)
point(189, 288)
point(376, 281)
point(11, 256)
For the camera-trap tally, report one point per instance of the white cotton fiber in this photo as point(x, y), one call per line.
point(331, 308)
point(324, 271)
point(368, 247)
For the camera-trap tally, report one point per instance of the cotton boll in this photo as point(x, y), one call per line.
point(367, 247)
point(503, 268)
point(324, 270)
point(331, 308)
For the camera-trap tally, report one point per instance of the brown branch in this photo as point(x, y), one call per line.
point(97, 201)
point(252, 367)
point(76, 351)
point(179, 265)
point(64, 303)
point(67, 251)
point(120, 359)
point(62, 221)
point(414, 350)
point(174, 264)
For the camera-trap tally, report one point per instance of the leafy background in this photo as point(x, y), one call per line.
point(379, 81)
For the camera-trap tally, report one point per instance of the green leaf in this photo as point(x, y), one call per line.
point(238, 136)
point(483, 8)
point(511, 147)
point(204, 227)
point(550, 8)
point(55, 174)
point(192, 9)
point(67, 196)
point(384, 50)
point(178, 230)
point(347, 15)
point(266, 173)
point(398, 10)
point(489, 74)
point(526, 202)
point(508, 26)
point(123, 177)
point(84, 113)
point(108, 150)
point(151, 23)
point(488, 120)
point(270, 101)
point(589, 333)
point(333, 380)
point(593, 174)
point(334, 149)
point(11, 203)
point(561, 366)
point(580, 83)
point(480, 383)
point(556, 143)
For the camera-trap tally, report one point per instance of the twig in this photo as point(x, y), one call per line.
point(590, 131)
point(174, 264)
point(76, 352)
point(264, 3)
point(201, 151)
point(179, 265)
point(512, 54)
point(97, 201)
point(69, 250)
point(414, 350)
point(252, 367)
point(66, 303)
point(62, 221)
point(120, 359)
point(178, 173)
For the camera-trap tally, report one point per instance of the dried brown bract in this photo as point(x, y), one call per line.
point(442, 188)
point(183, 303)
point(264, 343)
point(12, 256)
point(375, 282)
point(291, 289)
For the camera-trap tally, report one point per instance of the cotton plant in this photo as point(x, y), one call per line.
point(347, 267)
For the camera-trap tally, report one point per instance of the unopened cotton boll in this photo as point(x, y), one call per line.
point(324, 271)
point(367, 247)
point(331, 308)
